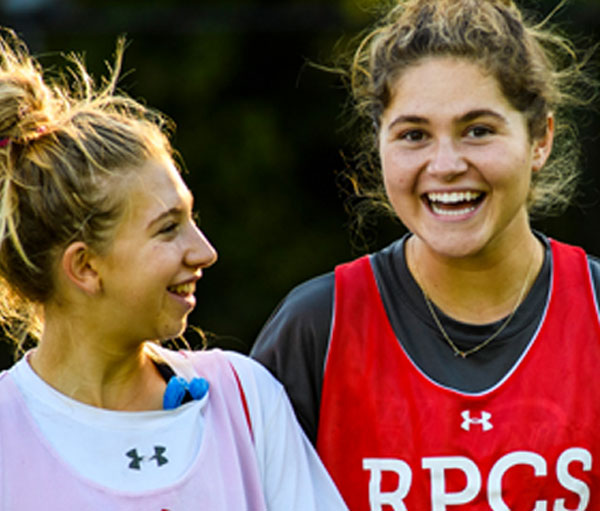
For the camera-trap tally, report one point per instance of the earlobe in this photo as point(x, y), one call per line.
point(78, 266)
point(543, 146)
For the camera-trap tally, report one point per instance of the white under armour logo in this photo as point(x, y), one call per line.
point(483, 421)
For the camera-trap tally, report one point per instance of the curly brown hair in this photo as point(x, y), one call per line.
point(538, 69)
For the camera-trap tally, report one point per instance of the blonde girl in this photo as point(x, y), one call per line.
point(99, 260)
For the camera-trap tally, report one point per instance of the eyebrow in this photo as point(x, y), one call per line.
point(165, 214)
point(411, 119)
point(174, 211)
point(469, 116)
point(484, 112)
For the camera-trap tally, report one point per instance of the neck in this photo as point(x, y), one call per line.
point(97, 371)
point(478, 289)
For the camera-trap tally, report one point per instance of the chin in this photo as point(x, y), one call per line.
point(172, 331)
point(453, 247)
point(463, 240)
point(458, 251)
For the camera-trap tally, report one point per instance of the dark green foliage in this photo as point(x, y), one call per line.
point(259, 130)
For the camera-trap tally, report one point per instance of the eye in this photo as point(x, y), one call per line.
point(413, 135)
point(479, 131)
point(169, 228)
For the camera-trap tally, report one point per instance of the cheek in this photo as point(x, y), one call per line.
point(399, 172)
point(509, 172)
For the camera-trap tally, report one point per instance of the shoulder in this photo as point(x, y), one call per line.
point(263, 393)
point(302, 318)
point(308, 298)
point(293, 476)
point(7, 389)
point(594, 268)
point(293, 342)
point(258, 383)
point(594, 263)
point(253, 376)
point(270, 413)
point(3, 377)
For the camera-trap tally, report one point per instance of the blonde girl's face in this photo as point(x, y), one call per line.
point(149, 273)
point(457, 158)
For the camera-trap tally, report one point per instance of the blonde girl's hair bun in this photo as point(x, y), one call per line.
point(67, 147)
point(26, 102)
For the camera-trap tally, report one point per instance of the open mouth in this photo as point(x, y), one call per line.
point(182, 289)
point(454, 203)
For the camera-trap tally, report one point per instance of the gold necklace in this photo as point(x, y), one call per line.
point(464, 354)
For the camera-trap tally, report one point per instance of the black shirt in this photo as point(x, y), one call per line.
point(293, 343)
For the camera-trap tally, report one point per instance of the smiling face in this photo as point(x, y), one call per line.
point(149, 273)
point(457, 158)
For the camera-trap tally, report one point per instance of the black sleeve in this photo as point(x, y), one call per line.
point(293, 344)
point(595, 272)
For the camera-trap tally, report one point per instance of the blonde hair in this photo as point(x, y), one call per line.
point(64, 142)
point(537, 68)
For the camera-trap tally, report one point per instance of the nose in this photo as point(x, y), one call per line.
point(200, 254)
point(446, 161)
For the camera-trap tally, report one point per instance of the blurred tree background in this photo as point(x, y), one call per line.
point(261, 132)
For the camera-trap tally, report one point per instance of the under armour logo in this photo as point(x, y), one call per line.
point(483, 421)
point(136, 459)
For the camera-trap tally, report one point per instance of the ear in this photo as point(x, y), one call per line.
point(542, 147)
point(79, 268)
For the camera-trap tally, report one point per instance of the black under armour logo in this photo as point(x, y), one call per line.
point(136, 459)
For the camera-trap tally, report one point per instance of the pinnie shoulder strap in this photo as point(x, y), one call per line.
point(244, 400)
point(184, 387)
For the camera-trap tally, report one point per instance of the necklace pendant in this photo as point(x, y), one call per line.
point(462, 354)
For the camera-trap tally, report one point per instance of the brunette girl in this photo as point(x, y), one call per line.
point(458, 367)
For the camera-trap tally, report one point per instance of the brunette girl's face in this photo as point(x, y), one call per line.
point(457, 158)
point(150, 271)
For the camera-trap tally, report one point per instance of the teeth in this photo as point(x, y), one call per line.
point(453, 212)
point(453, 197)
point(182, 289)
